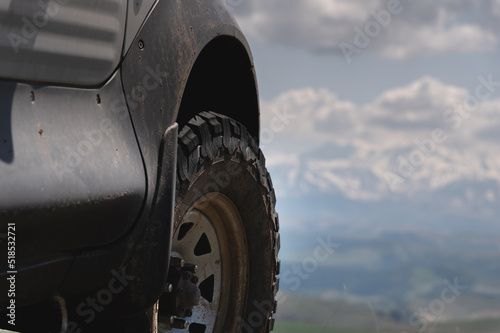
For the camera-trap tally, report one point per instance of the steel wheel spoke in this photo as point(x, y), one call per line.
point(208, 265)
point(203, 311)
point(199, 245)
point(194, 234)
point(197, 240)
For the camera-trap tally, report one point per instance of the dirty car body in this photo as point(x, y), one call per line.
point(92, 94)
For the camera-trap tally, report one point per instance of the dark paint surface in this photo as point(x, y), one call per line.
point(110, 207)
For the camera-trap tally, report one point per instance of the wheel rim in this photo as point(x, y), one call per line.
point(211, 235)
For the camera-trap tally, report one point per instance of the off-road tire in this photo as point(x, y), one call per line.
point(217, 155)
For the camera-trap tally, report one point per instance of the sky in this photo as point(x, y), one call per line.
point(387, 110)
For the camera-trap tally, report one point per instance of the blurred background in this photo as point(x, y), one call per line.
point(381, 128)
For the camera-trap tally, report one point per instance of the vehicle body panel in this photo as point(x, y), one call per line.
point(67, 163)
point(136, 14)
point(70, 42)
point(126, 186)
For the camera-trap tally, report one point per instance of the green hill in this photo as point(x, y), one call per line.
point(299, 314)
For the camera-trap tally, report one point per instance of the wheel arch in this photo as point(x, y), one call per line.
point(222, 80)
point(200, 61)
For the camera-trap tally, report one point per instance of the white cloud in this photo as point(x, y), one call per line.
point(336, 146)
point(424, 27)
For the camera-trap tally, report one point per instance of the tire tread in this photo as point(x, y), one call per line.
point(200, 141)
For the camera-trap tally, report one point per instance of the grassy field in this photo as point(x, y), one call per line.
point(299, 314)
point(477, 326)
point(290, 327)
point(481, 326)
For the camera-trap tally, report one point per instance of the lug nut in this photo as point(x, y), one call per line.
point(176, 262)
point(178, 323)
point(191, 268)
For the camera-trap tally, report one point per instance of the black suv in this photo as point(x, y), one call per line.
point(133, 193)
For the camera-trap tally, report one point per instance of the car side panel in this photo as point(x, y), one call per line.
point(153, 78)
point(155, 72)
point(77, 42)
point(71, 174)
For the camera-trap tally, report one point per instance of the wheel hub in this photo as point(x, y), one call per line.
point(207, 277)
point(184, 293)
